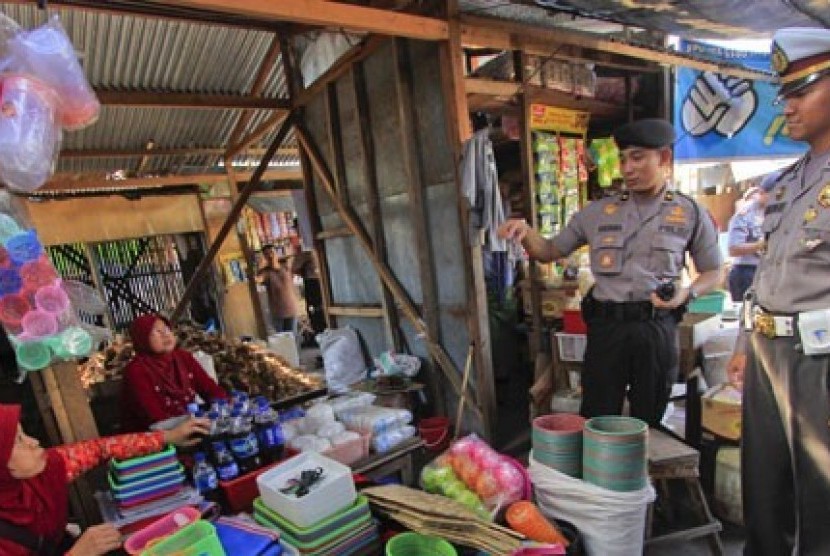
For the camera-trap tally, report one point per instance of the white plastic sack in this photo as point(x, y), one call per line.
point(611, 523)
point(342, 358)
point(284, 344)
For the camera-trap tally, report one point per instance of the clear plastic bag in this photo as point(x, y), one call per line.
point(47, 52)
point(29, 134)
point(35, 310)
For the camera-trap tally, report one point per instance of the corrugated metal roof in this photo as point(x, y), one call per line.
point(141, 54)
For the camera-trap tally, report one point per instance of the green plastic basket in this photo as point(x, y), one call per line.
point(415, 544)
point(709, 303)
point(197, 539)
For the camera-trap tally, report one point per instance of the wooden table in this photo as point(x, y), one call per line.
point(396, 460)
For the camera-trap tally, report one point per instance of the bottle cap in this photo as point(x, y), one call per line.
point(199, 456)
point(192, 407)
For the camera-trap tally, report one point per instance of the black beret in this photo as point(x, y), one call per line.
point(651, 133)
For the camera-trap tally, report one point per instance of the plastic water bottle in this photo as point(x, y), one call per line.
point(192, 408)
point(269, 432)
point(244, 444)
point(226, 466)
point(204, 477)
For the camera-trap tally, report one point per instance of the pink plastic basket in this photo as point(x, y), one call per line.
point(351, 451)
point(160, 529)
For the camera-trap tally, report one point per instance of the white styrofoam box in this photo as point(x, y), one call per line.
point(329, 495)
point(727, 503)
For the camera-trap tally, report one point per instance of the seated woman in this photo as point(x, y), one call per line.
point(34, 484)
point(160, 380)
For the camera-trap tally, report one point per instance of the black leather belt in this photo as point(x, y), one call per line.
point(624, 312)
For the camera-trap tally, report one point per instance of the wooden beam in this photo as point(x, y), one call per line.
point(258, 133)
point(391, 322)
point(233, 216)
point(506, 90)
point(248, 253)
point(189, 100)
point(453, 68)
point(410, 154)
point(174, 151)
point(261, 79)
point(370, 311)
point(341, 67)
point(334, 232)
point(384, 272)
point(507, 35)
point(64, 182)
point(329, 14)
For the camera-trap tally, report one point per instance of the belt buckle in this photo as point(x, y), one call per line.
point(765, 324)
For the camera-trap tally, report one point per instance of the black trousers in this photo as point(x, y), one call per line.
point(785, 450)
point(637, 357)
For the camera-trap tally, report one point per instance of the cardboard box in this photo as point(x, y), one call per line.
point(554, 300)
point(721, 412)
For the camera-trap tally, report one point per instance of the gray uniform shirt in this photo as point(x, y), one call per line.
point(635, 244)
point(792, 275)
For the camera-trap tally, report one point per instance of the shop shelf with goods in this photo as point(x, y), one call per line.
point(271, 228)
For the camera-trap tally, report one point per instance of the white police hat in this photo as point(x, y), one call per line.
point(800, 56)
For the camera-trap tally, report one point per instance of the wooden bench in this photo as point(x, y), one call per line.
point(669, 458)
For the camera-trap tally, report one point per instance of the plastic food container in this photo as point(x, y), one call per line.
point(13, 308)
point(10, 281)
point(332, 493)
point(241, 492)
point(52, 299)
point(32, 356)
point(197, 539)
point(160, 529)
point(38, 273)
point(358, 512)
point(24, 247)
point(39, 324)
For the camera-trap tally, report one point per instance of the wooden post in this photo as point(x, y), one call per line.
point(459, 130)
point(391, 322)
point(416, 189)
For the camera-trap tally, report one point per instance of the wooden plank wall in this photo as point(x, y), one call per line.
point(381, 129)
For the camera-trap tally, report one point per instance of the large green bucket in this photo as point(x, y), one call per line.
point(615, 453)
point(415, 544)
point(557, 442)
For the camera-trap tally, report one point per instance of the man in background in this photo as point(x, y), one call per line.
point(279, 286)
point(745, 240)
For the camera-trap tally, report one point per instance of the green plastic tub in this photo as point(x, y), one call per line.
point(415, 544)
point(197, 539)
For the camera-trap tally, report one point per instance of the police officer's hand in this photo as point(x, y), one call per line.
point(679, 299)
point(735, 370)
point(515, 229)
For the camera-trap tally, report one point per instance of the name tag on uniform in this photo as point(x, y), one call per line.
point(674, 230)
point(610, 228)
point(775, 207)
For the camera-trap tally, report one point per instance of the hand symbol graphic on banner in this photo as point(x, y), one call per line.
point(718, 103)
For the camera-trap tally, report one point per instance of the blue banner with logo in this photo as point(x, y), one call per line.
point(719, 117)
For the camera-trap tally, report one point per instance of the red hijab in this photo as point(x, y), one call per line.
point(39, 503)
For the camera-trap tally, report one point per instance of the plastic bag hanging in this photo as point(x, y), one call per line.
point(35, 310)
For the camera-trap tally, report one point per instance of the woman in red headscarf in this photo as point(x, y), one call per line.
point(34, 484)
point(161, 379)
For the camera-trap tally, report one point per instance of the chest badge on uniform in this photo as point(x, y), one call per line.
point(611, 209)
point(609, 240)
point(824, 196)
point(676, 215)
point(606, 260)
point(810, 214)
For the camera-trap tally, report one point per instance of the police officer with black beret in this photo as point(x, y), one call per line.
point(638, 240)
point(782, 359)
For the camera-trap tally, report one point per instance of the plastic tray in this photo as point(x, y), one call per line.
point(239, 493)
point(140, 474)
point(130, 465)
point(145, 480)
point(197, 539)
point(328, 544)
point(147, 486)
point(160, 529)
point(142, 470)
point(132, 501)
point(359, 510)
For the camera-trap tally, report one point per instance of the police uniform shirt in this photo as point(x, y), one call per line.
point(792, 274)
point(634, 245)
point(745, 227)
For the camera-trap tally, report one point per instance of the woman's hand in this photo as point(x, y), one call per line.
point(187, 433)
point(98, 540)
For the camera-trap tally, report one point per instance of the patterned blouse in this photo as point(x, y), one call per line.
point(82, 456)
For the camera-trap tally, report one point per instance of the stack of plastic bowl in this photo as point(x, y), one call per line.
point(557, 442)
point(615, 453)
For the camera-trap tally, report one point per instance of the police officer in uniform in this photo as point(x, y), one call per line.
point(785, 444)
point(638, 241)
